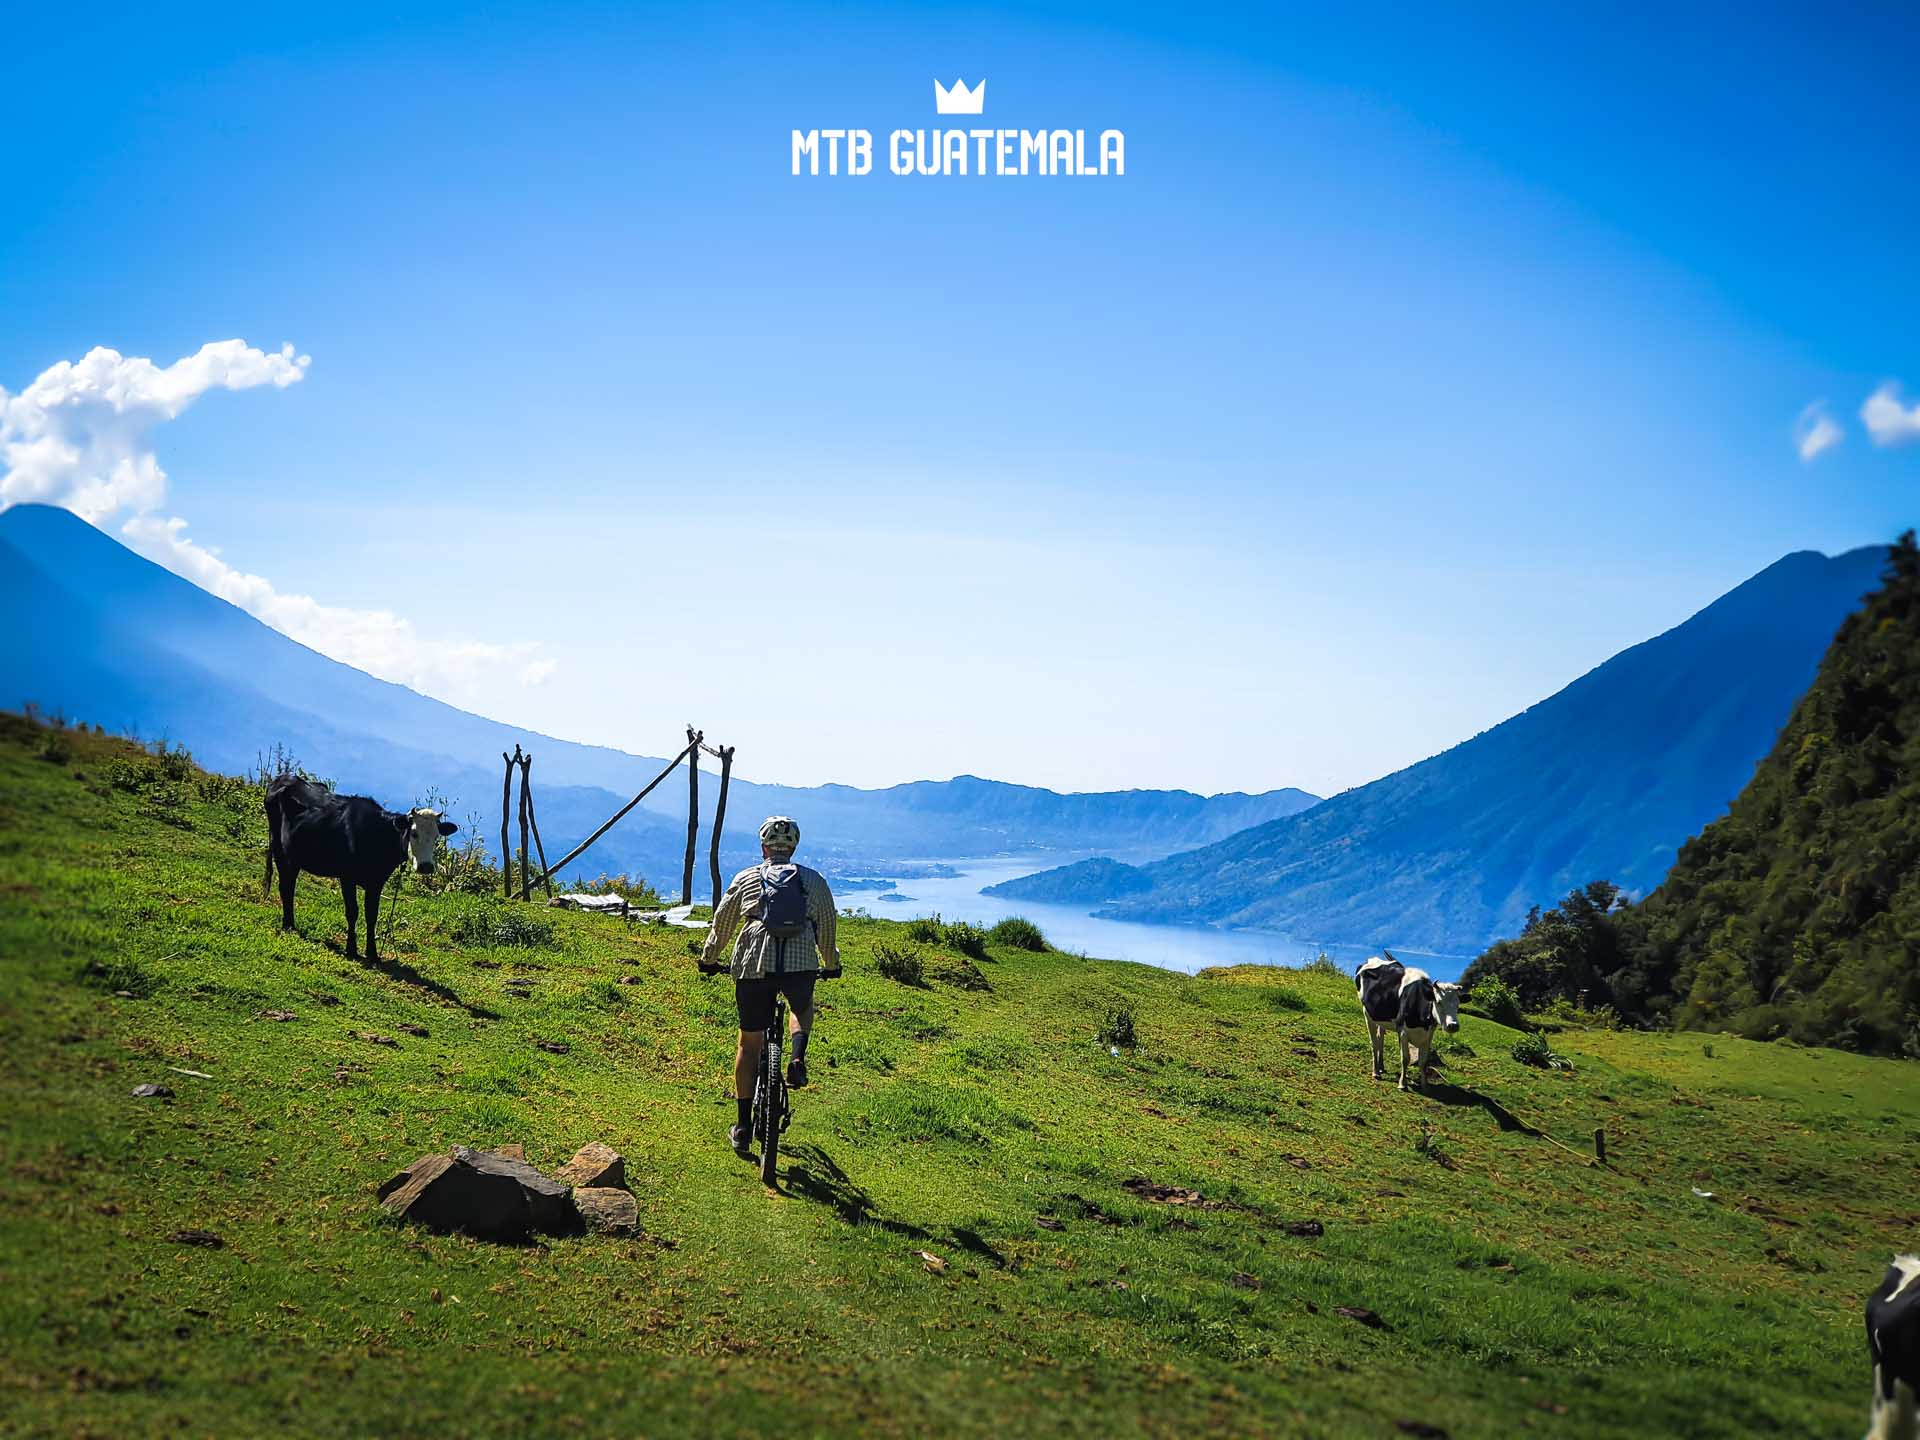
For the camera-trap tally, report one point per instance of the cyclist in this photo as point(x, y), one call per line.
point(784, 915)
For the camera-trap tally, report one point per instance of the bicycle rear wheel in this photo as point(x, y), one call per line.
point(773, 1110)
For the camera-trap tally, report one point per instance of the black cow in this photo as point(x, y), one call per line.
point(348, 838)
point(1893, 1339)
point(1378, 983)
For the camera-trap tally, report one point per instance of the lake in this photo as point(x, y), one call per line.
point(1070, 927)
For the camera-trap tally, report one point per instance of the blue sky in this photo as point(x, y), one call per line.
point(1418, 362)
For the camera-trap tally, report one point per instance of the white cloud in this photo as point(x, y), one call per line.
point(1816, 431)
point(79, 437)
point(1887, 420)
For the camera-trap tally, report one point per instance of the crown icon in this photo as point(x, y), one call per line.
point(959, 100)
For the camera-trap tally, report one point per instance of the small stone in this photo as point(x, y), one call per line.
point(123, 994)
point(151, 1091)
point(280, 1016)
point(412, 1029)
point(1305, 1227)
point(552, 1047)
point(1363, 1315)
point(606, 1210)
point(374, 1039)
point(206, 1239)
point(594, 1166)
point(1049, 1222)
point(629, 979)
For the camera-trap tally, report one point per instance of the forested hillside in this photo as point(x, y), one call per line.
point(1798, 912)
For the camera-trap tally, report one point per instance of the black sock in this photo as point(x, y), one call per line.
point(744, 1108)
point(800, 1046)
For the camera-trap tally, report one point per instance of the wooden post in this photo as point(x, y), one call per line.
point(1600, 1143)
point(693, 813)
point(534, 820)
point(506, 851)
point(719, 820)
point(526, 851)
point(614, 819)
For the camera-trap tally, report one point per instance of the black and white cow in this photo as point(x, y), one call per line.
point(1893, 1339)
point(1377, 981)
point(1426, 1005)
point(348, 838)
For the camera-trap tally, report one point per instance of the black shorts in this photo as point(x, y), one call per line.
point(754, 998)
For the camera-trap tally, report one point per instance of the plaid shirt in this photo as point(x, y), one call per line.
point(757, 953)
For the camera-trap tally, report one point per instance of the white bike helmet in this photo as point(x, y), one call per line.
point(778, 832)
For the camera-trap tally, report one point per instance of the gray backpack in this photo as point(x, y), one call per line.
point(783, 902)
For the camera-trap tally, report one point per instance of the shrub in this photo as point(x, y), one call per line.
point(969, 940)
point(962, 975)
point(1499, 1002)
point(176, 761)
point(503, 926)
point(925, 930)
point(128, 776)
point(1118, 1029)
point(1533, 1050)
point(631, 888)
point(901, 963)
point(1324, 964)
point(1018, 933)
point(1282, 998)
point(55, 748)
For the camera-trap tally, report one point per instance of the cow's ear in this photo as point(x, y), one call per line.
point(400, 823)
point(447, 827)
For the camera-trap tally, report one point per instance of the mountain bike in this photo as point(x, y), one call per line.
point(772, 1112)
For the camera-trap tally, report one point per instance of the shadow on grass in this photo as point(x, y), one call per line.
point(1448, 1094)
point(815, 1175)
point(404, 973)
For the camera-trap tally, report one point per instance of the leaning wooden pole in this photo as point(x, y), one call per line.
point(615, 819)
point(534, 820)
point(506, 849)
point(693, 813)
point(526, 850)
point(719, 820)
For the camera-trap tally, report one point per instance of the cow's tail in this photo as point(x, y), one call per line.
point(273, 847)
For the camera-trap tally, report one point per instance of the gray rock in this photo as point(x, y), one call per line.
point(594, 1166)
point(150, 1091)
point(547, 1203)
point(607, 1211)
point(487, 1195)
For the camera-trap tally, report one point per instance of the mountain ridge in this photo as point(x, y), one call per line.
point(126, 643)
point(1607, 776)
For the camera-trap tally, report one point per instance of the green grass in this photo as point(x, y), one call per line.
point(1527, 1292)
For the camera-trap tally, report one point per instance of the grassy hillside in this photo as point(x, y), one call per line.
point(1522, 1290)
